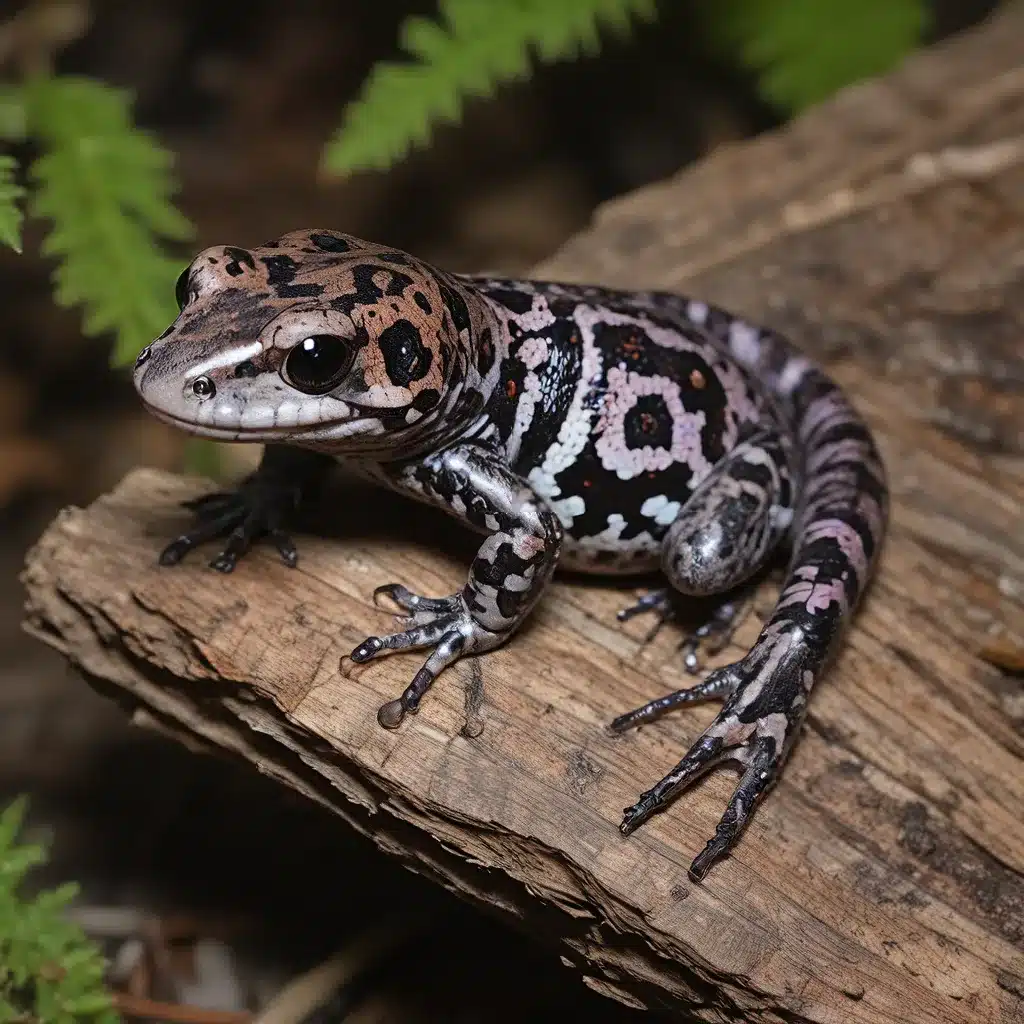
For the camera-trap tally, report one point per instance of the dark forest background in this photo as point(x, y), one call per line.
point(246, 95)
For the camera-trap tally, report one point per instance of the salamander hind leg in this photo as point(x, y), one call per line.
point(843, 511)
point(508, 574)
point(765, 696)
point(724, 534)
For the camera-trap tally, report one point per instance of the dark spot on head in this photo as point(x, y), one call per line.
point(394, 257)
point(426, 400)
point(406, 358)
point(648, 424)
point(166, 332)
point(299, 291)
point(239, 260)
point(456, 306)
point(246, 368)
point(280, 270)
point(397, 284)
point(366, 291)
point(329, 243)
point(423, 303)
point(182, 294)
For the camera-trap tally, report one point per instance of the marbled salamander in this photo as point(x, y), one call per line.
point(606, 431)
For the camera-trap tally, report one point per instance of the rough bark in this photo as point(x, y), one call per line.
point(883, 880)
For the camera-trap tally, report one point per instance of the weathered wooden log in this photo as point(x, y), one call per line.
point(883, 880)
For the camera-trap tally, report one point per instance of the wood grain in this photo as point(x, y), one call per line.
point(884, 878)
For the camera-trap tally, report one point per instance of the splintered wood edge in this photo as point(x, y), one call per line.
point(80, 579)
point(453, 852)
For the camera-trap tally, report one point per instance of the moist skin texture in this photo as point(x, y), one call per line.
point(605, 431)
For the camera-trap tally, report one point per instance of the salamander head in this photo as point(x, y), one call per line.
point(317, 339)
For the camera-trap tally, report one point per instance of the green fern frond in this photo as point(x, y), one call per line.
point(49, 972)
point(106, 186)
point(10, 212)
point(805, 50)
point(478, 45)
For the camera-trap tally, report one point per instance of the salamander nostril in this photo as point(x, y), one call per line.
point(203, 387)
point(142, 356)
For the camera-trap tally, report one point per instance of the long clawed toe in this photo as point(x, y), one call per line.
point(760, 758)
point(712, 636)
point(407, 601)
point(443, 623)
point(243, 517)
point(659, 602)
point(716, 633)
point(719, 683)
point(764, 694)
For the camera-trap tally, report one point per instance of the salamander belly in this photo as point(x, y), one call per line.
point(592, 555)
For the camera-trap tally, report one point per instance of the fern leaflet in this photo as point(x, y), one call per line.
point(49, 971)
point(805, 50)
point(478, 45)
point(106, 187)
point(10, 211)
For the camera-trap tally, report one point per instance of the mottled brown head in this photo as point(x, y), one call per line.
point(317, 337)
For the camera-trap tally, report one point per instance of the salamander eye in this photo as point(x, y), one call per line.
point(203, 387)
point(181, 289)
point(318, 364)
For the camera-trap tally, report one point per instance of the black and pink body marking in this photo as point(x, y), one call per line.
point(608, 431)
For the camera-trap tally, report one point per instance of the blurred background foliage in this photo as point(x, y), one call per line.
point(105, 187)
point(479, 134)
point(48, 971)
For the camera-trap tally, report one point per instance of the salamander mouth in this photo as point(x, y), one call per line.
point(239, 433)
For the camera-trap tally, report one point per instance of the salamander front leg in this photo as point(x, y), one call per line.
point(506, 578)
point(262, 506)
